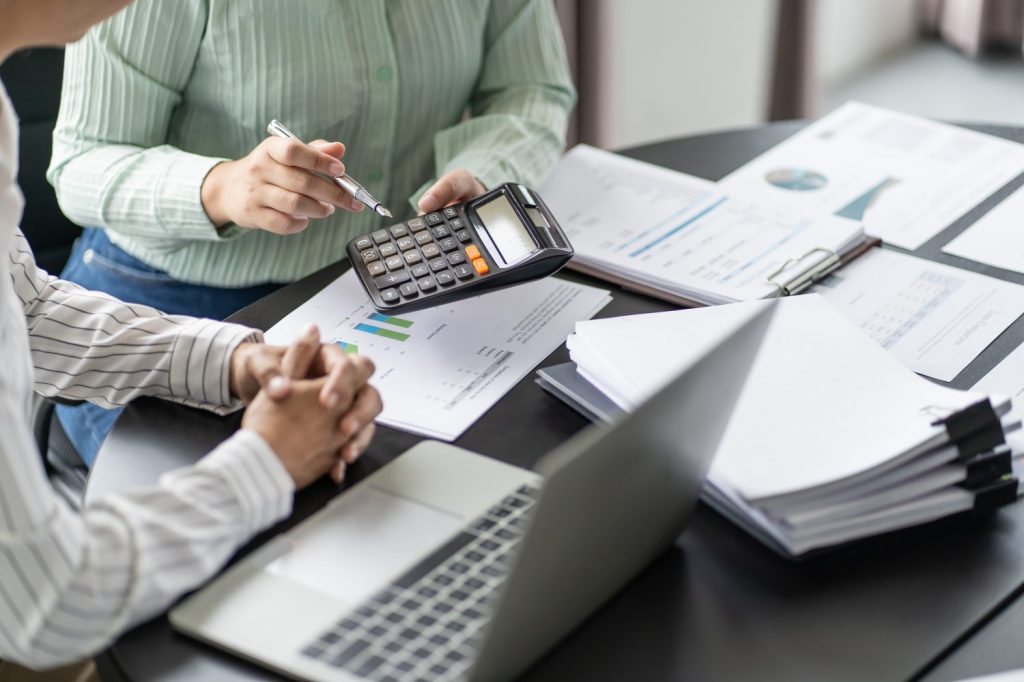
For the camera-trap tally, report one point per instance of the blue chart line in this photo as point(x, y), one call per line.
point(673, 232)
point(769, 250)
point(643, 235)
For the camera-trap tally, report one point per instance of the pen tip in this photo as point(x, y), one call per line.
point(383, 211)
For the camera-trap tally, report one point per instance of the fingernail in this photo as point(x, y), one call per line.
point(330, 400)
point(428, 202)
point(310, 330)
point(336, 169)
point(330, 209)
point(277, 385)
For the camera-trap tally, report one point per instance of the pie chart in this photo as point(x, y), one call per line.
point(796, 179)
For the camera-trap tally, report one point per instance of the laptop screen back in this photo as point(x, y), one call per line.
point(614, 498)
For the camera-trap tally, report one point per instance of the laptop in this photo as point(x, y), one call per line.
point(448, 565)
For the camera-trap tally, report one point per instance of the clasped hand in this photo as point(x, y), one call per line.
point(310, 402)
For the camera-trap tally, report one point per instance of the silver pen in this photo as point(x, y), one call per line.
point(346, 181)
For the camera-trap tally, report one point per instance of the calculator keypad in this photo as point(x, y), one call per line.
point(422, 256)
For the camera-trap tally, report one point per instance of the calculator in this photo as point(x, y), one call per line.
point(503, 237)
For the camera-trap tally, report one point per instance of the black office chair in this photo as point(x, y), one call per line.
point(33, 81)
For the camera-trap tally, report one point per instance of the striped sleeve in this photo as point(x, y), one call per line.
point(111, 166)
point(521, 103)
point(72, 583)
point(89, 346)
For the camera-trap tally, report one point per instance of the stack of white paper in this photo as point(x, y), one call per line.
point(832, 438)
point(680, 237)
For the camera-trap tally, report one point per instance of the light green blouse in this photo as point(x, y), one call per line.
point(160, 93)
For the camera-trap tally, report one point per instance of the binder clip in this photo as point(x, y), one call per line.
point(974, 429)
point(828, 263)
point(986, 468)
point(996, 494)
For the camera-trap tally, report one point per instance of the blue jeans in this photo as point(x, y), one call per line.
point(98, 264)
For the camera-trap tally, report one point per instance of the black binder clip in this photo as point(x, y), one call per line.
point(996, 494)
point(822, 267)
point(974, 429)
point(987, 467)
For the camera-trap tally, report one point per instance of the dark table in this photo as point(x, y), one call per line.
point(717, 606)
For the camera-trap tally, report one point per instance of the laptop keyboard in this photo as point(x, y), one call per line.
point(424, 625)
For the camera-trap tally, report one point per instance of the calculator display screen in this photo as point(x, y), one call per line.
point(506, 231)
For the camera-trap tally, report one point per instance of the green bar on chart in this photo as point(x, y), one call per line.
point(379, 331)
point(396, 321)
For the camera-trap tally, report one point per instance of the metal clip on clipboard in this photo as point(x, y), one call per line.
point(829, 262)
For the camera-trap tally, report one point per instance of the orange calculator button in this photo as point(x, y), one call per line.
point(481, 266)
point(472, 253)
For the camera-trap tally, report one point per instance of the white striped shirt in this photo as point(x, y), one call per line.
point(70, 583)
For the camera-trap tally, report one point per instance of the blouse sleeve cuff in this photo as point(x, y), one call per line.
point(200, 368)
point(257, 478)
point(179, 205)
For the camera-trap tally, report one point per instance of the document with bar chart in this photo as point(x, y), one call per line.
point(440, 369)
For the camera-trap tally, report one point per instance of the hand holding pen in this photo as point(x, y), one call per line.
point(278, 187)
point(343, 180)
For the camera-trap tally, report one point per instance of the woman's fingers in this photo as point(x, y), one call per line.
point(299, 356)
point(291, 152)
point(306, 184)
point(346, 374)
point(453, 187)
point(353, 449)
point(295, 204)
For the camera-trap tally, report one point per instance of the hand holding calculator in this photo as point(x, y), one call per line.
point(503, 237)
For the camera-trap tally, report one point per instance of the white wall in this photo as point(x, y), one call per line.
point(675, 67)
point(854, 35)
point(667, 68)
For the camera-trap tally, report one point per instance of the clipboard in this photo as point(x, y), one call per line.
point(795, 283)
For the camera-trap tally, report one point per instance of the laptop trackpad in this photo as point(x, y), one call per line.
point(364, 540)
